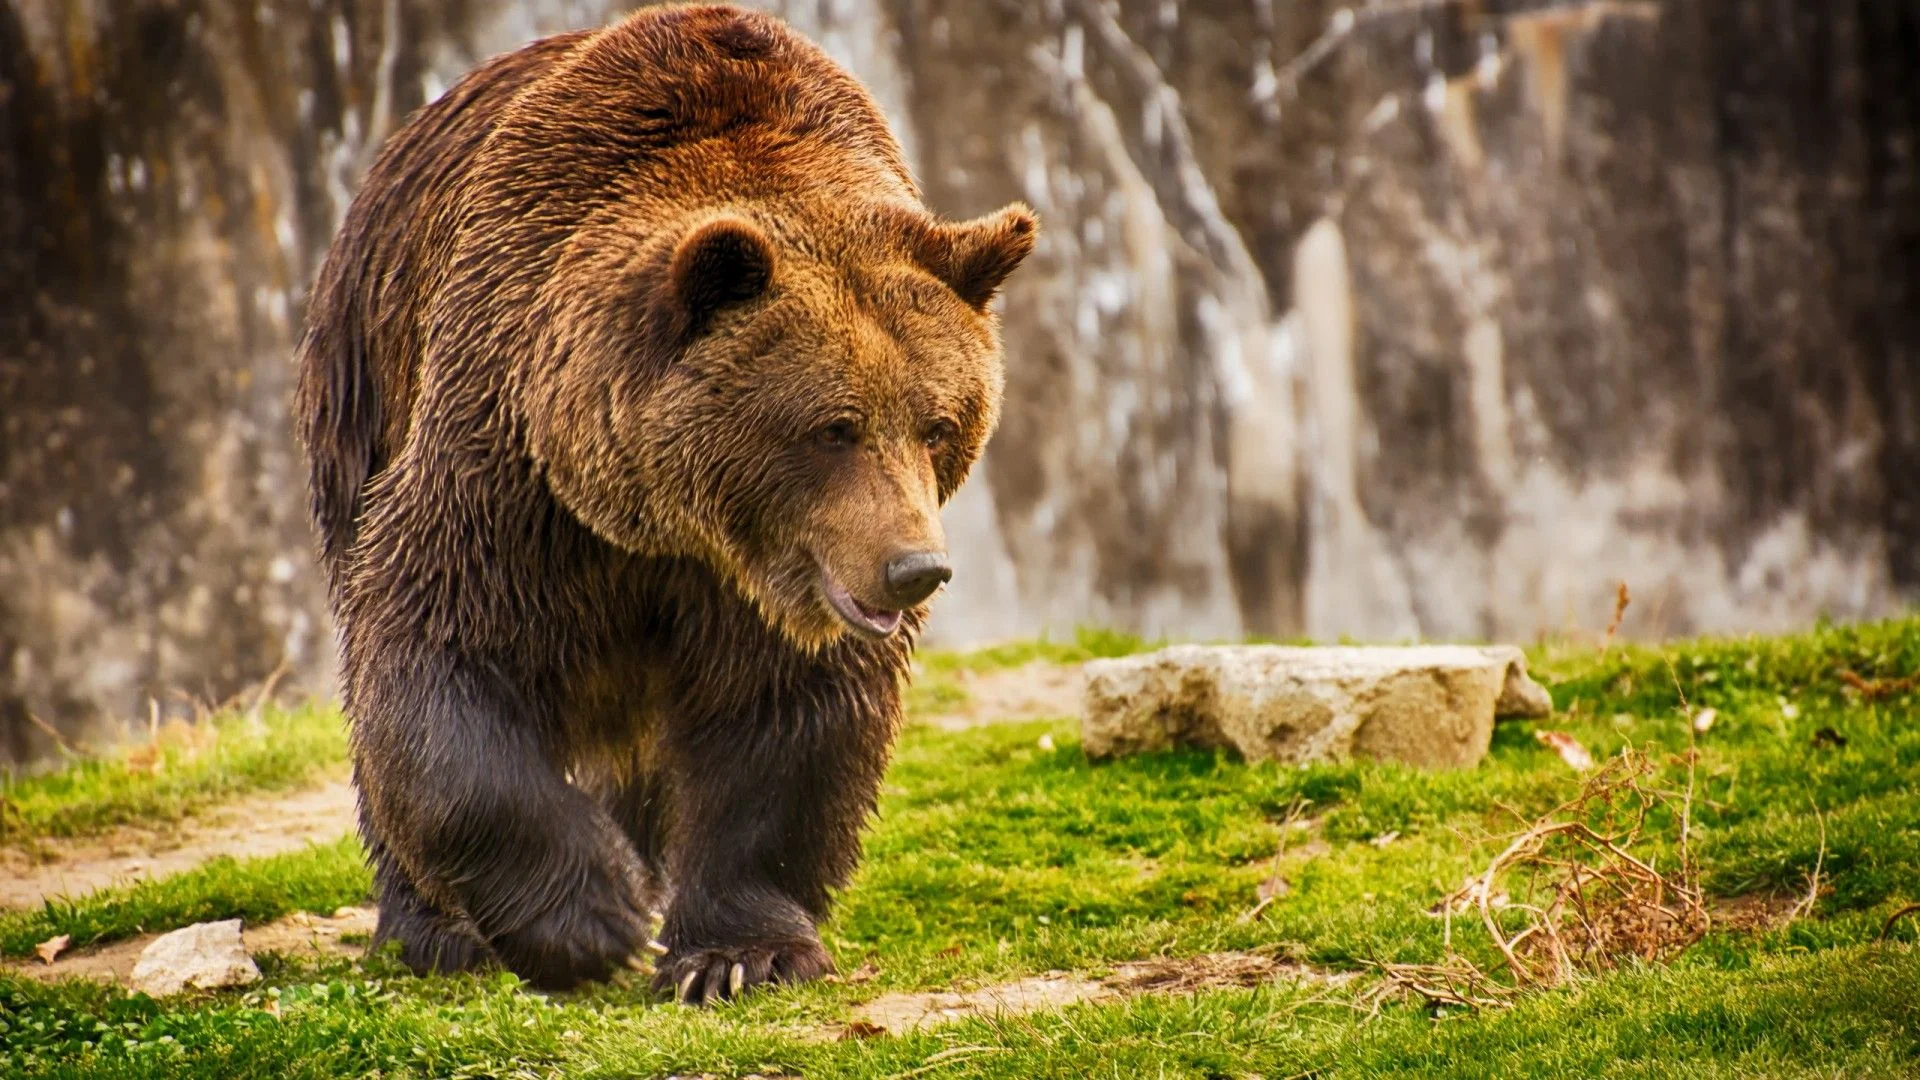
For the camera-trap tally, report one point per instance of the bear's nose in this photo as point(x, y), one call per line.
point(912, 577)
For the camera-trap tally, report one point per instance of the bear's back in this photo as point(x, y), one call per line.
point(731, 99)
point(359, 358)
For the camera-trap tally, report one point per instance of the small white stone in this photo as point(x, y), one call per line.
point(204, 956)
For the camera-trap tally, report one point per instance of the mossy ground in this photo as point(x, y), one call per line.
point(999, 854)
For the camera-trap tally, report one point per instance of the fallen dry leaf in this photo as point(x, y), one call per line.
point(1385, 838)
point(52, 947)
point(950, 952)
point(864, 973)
point(861, 1029)
point(1569, 749)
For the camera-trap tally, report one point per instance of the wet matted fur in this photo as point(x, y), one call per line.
point(635, 362)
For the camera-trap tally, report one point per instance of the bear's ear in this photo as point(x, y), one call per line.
point(717, 264)
point(974, 257)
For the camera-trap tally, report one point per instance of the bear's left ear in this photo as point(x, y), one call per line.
point(975, 257)
point(717, 264)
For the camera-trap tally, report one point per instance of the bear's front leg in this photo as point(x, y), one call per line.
point(462, 790)
point(768, 810)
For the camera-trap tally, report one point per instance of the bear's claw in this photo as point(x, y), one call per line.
point(705, 976)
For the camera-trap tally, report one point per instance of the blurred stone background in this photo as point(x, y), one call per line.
point(1403, 319)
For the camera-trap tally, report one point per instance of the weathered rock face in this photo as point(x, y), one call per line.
point(1441, 320)
point(1433, 320)
point(1432, 706)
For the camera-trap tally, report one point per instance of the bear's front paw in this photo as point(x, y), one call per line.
point(596, 933)
point(705, 975)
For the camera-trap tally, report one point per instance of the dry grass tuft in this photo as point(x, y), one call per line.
point(1571, 894)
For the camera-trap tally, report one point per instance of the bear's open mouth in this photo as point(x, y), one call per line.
point(876, 622)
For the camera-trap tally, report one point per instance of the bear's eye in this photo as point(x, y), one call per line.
point(940, 433)
point(842, 432)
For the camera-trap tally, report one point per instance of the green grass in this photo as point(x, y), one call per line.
point(1851, 1012)
point(162, 782)
point(996, 857)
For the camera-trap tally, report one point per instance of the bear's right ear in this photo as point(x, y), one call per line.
point(717, 264)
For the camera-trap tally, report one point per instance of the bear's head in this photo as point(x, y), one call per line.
point(786, 392)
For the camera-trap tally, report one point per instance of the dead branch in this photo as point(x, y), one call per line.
point(1585, 898)
point(1875, 689)
point(1805, 906)
point(1456, 982)
point(1621, 598)
point(1894, 918)
point(59, 740)
point(266, 690)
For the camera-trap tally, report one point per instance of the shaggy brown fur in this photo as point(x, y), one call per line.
point(632, 387)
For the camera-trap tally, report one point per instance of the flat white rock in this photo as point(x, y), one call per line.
point(204, 956)
point(1427, 705)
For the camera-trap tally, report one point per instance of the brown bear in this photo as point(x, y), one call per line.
point(632, 386)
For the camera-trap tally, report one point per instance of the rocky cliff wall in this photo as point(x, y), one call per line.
point(1394, 320)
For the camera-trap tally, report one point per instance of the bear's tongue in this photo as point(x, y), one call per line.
point(872, 620)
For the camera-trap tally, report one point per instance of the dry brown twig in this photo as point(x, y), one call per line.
point(1295, 811)
point(1586, 900)
point(1875, 689)
point(59, 740)
point(1894, 918)
point(1599, 902)
point(1621, 598)
point(1693, 757)
point(265, 694)
point(1458, 982)
point(1805, 906)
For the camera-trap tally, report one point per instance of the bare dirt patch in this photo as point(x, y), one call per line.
point(1209, 971)
point(1033, 691)
point(246, 828)
point(903, 1012)
point(299, 935)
